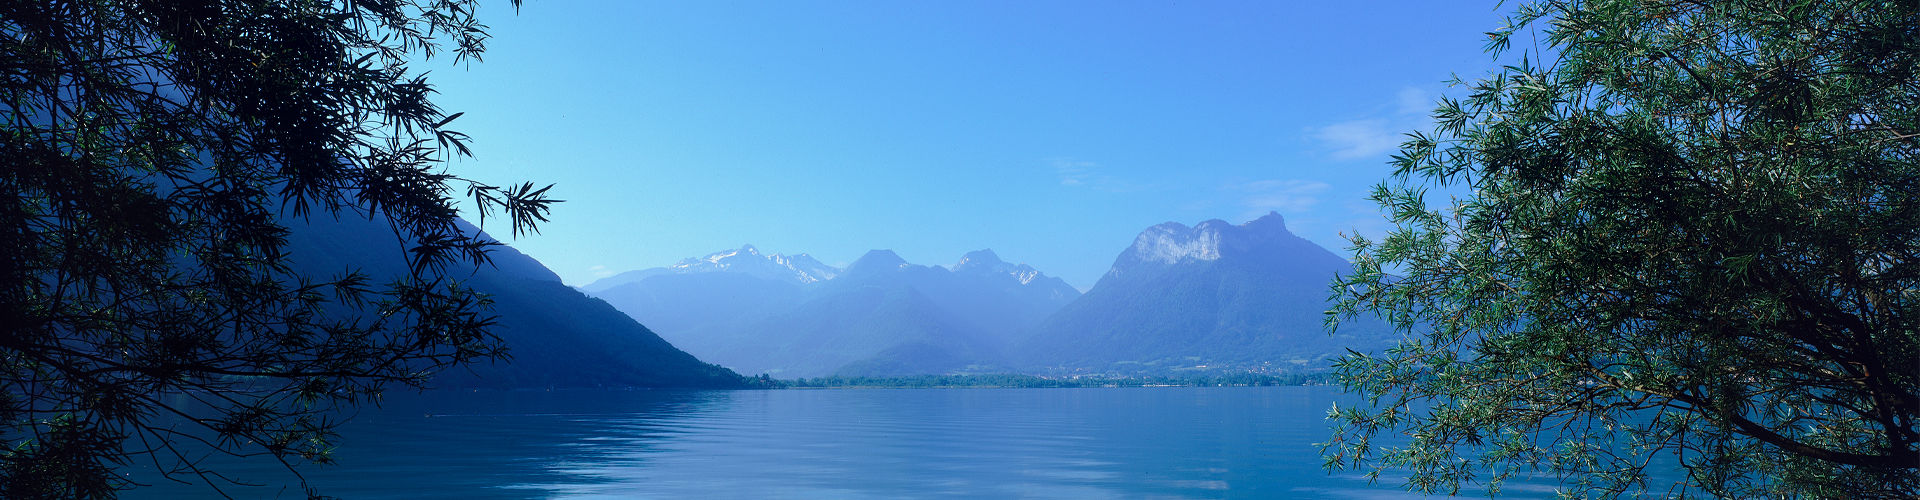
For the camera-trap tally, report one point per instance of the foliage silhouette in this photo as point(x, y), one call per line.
point(154, 152)
point(1691, 237)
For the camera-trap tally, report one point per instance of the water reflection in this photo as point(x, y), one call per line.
point(1082, 443)
point(455, 445)
point(1024, 443)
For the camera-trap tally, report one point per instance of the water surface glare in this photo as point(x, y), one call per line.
point(1162, 442)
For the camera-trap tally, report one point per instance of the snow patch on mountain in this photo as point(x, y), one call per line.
point(802, 269)
point(987, 262)
point(809, 269)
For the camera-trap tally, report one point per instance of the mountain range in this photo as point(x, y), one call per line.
point(794, 317)
point(1213, 297)
point(746, 260)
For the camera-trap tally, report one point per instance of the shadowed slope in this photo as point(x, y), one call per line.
point(1210, 297)
point(557, 337)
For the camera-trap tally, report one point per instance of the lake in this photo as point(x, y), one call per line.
point(1153, 442)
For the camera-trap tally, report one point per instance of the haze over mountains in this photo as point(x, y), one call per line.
point(1212, 298)
point(794, 317)
point(557, 336)
point(747, 260)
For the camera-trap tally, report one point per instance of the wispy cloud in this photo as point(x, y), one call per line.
point(1416, 102)
point(1356, 139)
point(1073, 172)
point(1378, 134)
point(1290, 197)
point(1086, 174)
point(600, 271)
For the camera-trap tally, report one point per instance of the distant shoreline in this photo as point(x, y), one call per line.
point(1010, 381)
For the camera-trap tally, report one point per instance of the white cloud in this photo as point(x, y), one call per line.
point(1378, 134)
point(1073, 172)
point(600, 271)
point(1087, 174)
point(1416, 101)
point(1356, 139)
point(1290, 197)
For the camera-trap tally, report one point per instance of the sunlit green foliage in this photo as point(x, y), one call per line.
point(1690, 238)
point(152, 151)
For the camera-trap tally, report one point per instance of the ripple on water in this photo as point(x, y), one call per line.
point(962, 443)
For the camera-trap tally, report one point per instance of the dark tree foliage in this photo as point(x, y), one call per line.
point(154, 151)
point(1690, 241)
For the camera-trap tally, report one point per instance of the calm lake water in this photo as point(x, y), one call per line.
point(1165, 442)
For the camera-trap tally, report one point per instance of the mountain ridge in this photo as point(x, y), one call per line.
point(556, 336)
point(1213, 296)
point(885, 312)
point(799, 268)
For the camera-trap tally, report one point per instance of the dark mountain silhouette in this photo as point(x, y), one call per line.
point(557, 336)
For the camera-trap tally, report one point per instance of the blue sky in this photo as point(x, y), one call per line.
point(1051, 132)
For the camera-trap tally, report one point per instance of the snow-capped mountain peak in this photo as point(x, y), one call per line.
point(984, 260)
point(1025, 273)
point(724, 260)
point(747, 259)
point(808, 269)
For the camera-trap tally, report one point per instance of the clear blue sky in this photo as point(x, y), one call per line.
point(1051, 132)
